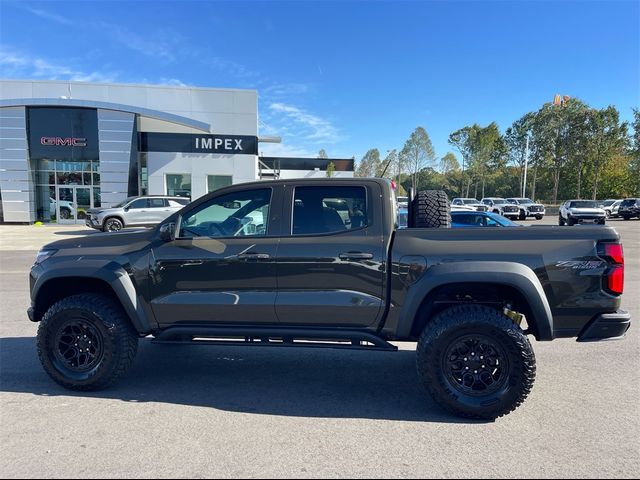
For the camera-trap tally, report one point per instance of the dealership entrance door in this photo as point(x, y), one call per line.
point(72, 203)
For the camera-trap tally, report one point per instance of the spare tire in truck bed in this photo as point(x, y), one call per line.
point(430, 209)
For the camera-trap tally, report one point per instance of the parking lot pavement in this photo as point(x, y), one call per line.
point(259, 412)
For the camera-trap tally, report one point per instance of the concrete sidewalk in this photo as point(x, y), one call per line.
point(33, 237)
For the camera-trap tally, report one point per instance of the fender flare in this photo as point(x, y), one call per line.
point(511, 274)
point(118, 280)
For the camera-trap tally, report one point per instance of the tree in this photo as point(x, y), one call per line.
point(449, 163)
point(417, 154)
point(461, 141)
point(634, 155)
point(322, 153)
point(331, 169)
point(607, 138)
point(516, 142)
point(369, 164)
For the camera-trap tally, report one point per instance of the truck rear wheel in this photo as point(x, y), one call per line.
point(430, 209)
point(475, 362)
point(85, 342)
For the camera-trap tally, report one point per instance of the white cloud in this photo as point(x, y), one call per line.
point(17, 64)
point(49, 16)
point(307, 126)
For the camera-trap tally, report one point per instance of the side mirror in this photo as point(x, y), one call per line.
point(126, 209)
point(168, 232)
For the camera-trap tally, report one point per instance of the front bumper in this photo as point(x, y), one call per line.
point(606, 326)
point(92, 222)
point(587, 218)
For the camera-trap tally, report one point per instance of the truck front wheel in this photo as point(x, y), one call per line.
point(85, 342)
point(475, 362)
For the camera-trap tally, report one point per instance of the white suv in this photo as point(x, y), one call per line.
point(581, 211)
point(500, 206)
point(134, 212)
point(528, 208)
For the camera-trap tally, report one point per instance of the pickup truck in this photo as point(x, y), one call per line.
point(274, 264)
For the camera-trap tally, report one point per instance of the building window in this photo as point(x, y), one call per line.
point(214, 182)
point(178, 185)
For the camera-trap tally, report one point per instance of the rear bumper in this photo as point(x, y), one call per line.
point(606, 326)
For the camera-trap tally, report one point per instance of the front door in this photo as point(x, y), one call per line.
point(221, 266)
point(330, 265)
point(72, 203)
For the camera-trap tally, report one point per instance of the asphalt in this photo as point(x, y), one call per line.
point(259, 412)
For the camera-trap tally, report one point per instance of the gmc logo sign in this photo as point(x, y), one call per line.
point(66, 142)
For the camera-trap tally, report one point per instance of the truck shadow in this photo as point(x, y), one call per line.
point(269, 381)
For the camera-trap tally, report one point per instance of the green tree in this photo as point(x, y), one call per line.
point(331, 169)
point(516, 142)
point(417, 154)
point(461, 140)
point(634, 155)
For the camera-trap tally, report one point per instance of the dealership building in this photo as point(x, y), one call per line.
point(66, 146)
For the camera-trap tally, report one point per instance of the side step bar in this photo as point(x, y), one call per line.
point(280, 337)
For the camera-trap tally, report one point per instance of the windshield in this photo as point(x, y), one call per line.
point(608, 203)
point(584, 204)
point(124, 202)
point(524, 201)
point(469, 201)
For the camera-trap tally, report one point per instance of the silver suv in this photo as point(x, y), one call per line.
point(134, 212)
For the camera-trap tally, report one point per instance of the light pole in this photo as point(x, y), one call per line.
point(526, 162)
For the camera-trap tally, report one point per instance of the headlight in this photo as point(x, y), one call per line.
point(43, 255)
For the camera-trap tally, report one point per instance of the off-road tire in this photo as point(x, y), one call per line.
point(538, 217)
point(570, 222)
point(105, 318)
point(430, 209)
point(463, 321)
point(561, 221)
point(522, 216)
point(112, 224)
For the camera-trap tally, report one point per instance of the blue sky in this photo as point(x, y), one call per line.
point(343, 76)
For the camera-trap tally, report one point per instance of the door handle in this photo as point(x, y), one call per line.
point(254, 256)
point(355, 256)
point(191, 263)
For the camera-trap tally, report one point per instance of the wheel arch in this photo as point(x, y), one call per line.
point(115, 284)
point(483, 283)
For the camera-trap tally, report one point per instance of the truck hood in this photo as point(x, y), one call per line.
point(103, 244)
point(104, 210)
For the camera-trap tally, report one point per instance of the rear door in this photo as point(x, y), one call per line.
point(158, 210)
point(330, 262)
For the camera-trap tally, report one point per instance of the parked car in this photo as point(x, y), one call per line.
point(615, 208)
point(607, 205)
point(402, 201)
point(629, 208)
point(471, 202)
point(305, 278)
point(403, 217)
point(581, 211)
point(480, 219)
point(67, 209)
point(502, 207)
point(528, 208)
point(134, 212)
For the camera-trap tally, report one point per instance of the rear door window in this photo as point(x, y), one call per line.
point(325, 210)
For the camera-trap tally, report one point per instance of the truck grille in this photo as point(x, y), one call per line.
point(510, 209)
point(482, 208)
point(536, 209)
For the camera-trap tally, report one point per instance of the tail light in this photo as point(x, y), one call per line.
point(614, 275)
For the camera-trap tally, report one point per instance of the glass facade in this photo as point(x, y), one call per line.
point(64, 162)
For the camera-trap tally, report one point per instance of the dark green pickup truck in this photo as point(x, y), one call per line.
point(321, 263)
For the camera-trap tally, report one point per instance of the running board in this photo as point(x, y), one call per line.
point(274, 337)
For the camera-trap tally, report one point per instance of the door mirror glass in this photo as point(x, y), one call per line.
point(168, 232)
